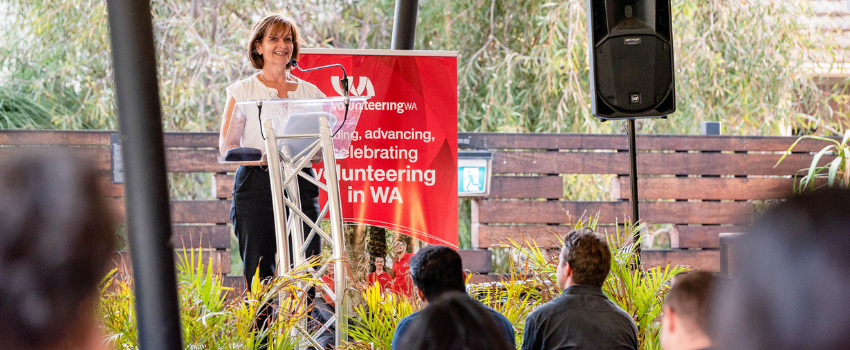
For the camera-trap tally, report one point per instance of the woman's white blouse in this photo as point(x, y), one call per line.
point(252, 88)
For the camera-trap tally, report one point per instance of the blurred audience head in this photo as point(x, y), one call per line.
point(789, 289)
point(585, 259)
point(454, 321)
point(437, 269)
point(55, 241)
point(684, 322)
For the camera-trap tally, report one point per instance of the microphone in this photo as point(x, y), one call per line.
point(343, 82)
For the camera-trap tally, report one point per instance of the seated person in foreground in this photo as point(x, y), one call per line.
point(790, 280)
point(582, 317)
point(685, 318)
point(56, 238)
point(437, 270)
point(454, 322)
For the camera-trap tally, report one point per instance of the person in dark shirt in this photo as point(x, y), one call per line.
point(582, 317)
point(437, 270)
point(685, 317)
point(454, 322)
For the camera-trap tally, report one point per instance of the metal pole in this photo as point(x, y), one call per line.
point(336, 231)
point(278, 204)
point(294, 221)
point(633, 177)
point(633, 174)
point(404, 24)
point(147, 199)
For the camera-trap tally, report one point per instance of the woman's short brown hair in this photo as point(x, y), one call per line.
point(272, 23)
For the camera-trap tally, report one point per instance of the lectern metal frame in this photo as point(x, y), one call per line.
point(283, 172)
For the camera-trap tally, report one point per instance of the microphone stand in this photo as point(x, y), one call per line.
point(343, 82)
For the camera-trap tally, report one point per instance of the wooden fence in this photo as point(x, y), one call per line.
point(703, 185)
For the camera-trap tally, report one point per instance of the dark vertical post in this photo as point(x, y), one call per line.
point(404, 24)
point(633, 177)
point(147, 200)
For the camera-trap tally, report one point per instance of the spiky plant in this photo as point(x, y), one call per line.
point(208, 319)
point(637, 289)
point(834, 173)
point(375, 321)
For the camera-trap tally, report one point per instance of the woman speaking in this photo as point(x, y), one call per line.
point(274, 41)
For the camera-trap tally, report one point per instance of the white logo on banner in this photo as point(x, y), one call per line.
point(362, 88)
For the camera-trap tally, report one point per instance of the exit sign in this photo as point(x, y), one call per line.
point(473, 173)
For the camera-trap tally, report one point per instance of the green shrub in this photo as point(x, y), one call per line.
point(374, 322)
point(209, 320)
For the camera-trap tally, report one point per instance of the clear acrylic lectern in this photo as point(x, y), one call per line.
point(286, 134)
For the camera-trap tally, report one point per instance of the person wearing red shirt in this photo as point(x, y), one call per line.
point(329, 281)
point(380, 276)
point(401, 270)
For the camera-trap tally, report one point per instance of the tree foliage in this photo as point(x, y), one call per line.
point(522, 65)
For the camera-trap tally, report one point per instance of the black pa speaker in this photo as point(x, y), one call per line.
point(631, 58)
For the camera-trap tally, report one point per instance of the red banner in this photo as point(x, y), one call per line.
point(401, 172)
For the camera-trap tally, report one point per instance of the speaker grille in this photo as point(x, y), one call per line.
point(633, 72)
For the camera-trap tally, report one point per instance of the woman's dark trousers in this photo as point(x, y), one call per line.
point(253, 219)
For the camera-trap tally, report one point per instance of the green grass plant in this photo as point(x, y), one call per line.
point(836, 172)
point(208, 319)
point(374, 321)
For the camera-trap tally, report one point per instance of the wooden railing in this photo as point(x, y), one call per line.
point(702, 185)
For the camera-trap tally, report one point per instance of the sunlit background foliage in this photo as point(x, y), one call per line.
point(522, 65)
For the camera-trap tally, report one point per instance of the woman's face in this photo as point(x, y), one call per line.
point(399, 248)
point(276, 47)
point(379, 263)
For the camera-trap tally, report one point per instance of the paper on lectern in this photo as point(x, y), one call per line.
point(245, 125)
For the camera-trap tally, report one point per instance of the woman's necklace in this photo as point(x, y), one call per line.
point(268, 89)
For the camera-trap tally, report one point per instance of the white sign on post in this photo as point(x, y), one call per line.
point(473, 173)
